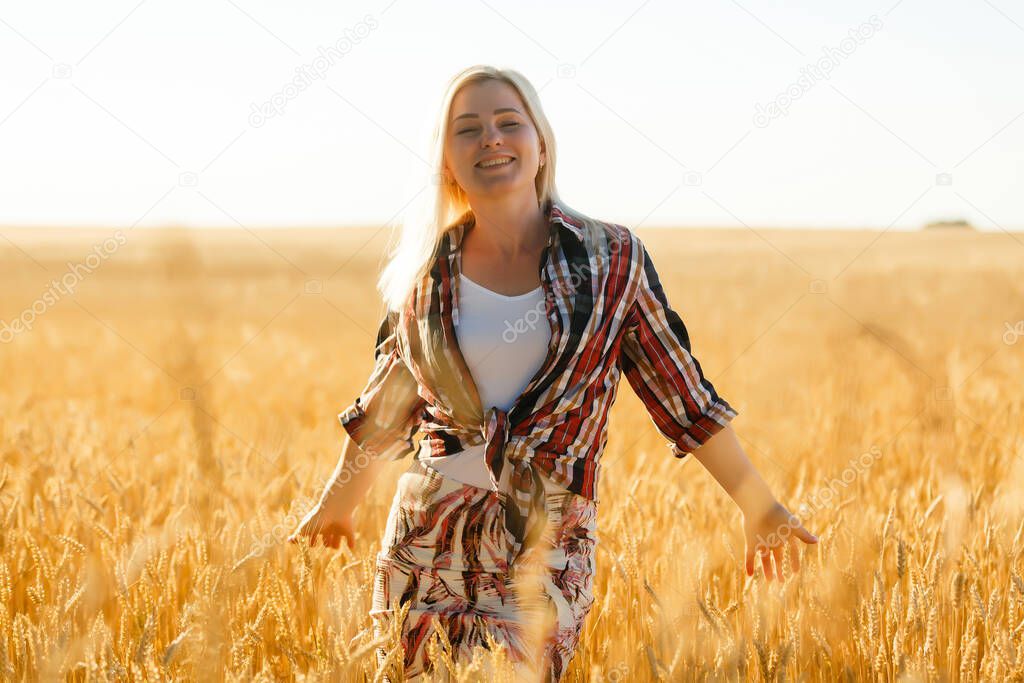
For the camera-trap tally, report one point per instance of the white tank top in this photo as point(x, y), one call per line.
point(505, 341)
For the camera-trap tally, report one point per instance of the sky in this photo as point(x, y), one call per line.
point(728, 114)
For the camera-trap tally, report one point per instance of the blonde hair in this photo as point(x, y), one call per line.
point(446, 205)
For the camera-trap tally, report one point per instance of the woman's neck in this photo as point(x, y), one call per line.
point(509, 226)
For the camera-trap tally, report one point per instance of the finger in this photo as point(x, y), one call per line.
point(748, 562)
point(766, 563)
point(805, 535)
point(777, 552)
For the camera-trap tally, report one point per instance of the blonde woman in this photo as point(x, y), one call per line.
point(510, 319)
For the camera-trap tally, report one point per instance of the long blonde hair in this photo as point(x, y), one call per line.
point(446, 205)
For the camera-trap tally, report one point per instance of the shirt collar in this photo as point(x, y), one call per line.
point(556, 216)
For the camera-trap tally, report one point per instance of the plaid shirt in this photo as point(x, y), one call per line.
point(608, 315)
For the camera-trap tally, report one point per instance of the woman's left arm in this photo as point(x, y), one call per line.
point(658, 362)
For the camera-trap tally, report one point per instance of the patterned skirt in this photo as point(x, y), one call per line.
point(444, 554)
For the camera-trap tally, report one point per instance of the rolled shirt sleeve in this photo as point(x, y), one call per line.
point(384, 417)
point(657, 361)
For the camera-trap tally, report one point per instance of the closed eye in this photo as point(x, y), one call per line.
point(470, 130)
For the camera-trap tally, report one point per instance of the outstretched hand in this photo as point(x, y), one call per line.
point(328, 525)
point(768, 533)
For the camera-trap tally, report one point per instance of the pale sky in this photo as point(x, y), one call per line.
point(139, 113)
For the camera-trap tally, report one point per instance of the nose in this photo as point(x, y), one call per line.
point(492, 136)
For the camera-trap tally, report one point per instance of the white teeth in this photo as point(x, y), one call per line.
point(495, 162)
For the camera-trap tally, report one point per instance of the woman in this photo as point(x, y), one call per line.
point(510, 318)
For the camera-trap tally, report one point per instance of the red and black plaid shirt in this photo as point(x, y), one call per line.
point(608, 314)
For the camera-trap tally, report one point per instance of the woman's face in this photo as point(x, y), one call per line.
point(488, 121)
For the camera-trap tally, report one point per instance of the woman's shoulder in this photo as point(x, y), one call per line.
point(596, 233)
point(614, 242)
point(604, 248)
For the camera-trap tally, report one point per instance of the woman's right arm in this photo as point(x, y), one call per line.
point(351, 480)
point(379, 424)
point(331, 518)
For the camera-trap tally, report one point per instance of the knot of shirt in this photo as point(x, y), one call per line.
point(513, 475)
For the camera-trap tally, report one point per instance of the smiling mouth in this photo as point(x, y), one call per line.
point(500, 163)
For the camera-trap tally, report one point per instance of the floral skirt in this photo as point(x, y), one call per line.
point(444, 554)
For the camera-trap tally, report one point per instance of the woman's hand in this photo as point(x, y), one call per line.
point(327, 523)
point(767, 525)
point(768, 532)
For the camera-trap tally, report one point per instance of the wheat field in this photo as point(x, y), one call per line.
point(168, 419)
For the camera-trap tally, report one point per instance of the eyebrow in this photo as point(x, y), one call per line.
point(476, 116)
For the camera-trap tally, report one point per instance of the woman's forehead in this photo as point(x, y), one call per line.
point(476, 98)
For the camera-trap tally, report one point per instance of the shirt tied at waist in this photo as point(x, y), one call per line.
point(512, 473)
